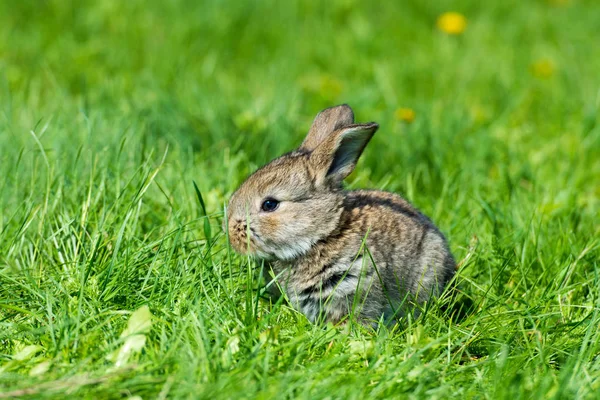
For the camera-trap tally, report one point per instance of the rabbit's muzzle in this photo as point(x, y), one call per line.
point(238, 235)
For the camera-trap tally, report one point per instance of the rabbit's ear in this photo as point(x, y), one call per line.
point(335, 158)
point(325, 123)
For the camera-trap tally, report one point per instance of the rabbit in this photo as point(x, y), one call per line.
point(336, 253)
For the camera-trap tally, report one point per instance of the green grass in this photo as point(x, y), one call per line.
point(111, 110)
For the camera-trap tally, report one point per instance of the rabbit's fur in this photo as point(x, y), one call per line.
point(334, 252)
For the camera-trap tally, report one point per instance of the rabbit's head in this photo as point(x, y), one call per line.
point(288, 205)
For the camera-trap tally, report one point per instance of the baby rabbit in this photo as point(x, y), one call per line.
point(333, 252)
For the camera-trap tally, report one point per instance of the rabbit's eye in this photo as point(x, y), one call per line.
point(269, 205)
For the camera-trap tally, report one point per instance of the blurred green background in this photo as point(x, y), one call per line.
point(205, 76)
point(109, 110)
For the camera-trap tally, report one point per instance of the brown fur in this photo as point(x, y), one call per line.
point(331, 250)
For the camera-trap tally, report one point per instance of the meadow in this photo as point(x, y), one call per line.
point(126, 125)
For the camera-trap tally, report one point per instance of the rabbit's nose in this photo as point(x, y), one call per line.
point(236, 226)
point(237, 233)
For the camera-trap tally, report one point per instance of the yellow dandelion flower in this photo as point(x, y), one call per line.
point(452, 23)
point(405, 114)
point(543, 68)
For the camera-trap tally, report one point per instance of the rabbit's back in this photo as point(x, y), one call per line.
point(413, 253)
point(384, 254)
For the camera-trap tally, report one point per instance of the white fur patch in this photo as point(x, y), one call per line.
point(294, 250)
